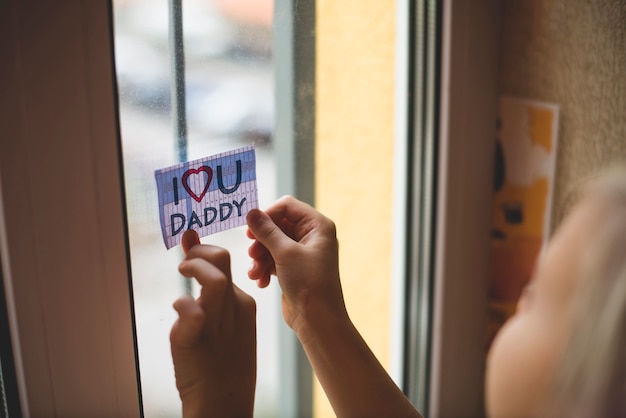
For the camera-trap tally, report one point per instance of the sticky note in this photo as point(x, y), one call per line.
point(210, 195)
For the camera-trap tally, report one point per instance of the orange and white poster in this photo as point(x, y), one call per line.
point(523, 189)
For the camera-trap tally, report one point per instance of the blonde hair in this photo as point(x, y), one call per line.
point(591, 380)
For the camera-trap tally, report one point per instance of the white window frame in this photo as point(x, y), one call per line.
point(294, 136)
point(63, 230)
point(443, 260)
point(467, 129)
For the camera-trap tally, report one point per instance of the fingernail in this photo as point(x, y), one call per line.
point(189, 239)
point(254, 217)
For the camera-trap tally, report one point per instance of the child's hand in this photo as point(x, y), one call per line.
point(213, 341)
point(299, 245)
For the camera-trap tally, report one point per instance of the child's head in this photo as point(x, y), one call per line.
point(564, 351)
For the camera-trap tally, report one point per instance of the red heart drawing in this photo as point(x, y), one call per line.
point(185, 181)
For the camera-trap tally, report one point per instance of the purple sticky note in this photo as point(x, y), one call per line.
point(210, 195)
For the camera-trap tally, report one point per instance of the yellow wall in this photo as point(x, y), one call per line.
point(572, 53)
point(354, 157)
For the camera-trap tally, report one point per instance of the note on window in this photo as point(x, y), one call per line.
point(210, 195)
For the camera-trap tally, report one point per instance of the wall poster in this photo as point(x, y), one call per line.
point(523, 188)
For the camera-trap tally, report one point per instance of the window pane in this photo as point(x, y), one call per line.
point(229, 97)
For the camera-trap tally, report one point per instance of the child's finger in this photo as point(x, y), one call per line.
point(290, 208)
point(214, 284)
point(212, 254)
point(188, 327)
point(267, 232)
point(190, 239)
point(258, 250)
point(261, 270)
point(264, 282)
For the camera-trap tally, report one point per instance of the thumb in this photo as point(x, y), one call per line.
point(266, 231)
point(189, 239)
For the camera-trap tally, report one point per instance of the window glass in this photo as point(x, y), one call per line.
point(229, 103)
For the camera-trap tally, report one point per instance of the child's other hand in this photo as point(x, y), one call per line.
point(213, 341)
point(299, 245)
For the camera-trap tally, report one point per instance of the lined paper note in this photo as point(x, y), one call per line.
point(209, 195)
